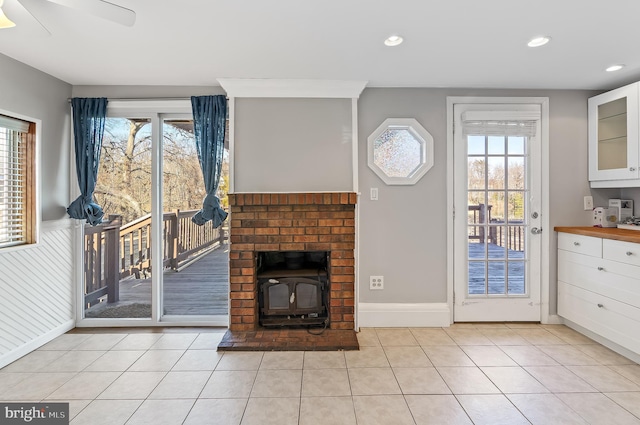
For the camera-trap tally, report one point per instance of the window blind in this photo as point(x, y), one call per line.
point(500, 123)
point(13, 151)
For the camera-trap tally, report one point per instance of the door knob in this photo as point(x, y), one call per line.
point(535, 231)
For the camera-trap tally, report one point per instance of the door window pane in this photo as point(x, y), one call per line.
point(477, 208)
point(516, 278)
point(477, 280)
point(495, 170)
point(117, 254)
point(475, 145)
point(477, 242)
point(516, 241)
point(497, 250)
point(515, 145)
point(476, 173)
point(496, 277)
point(496, 145)
point(496, 206)
point(516, 172)
point(515, 207)
point(194, 281)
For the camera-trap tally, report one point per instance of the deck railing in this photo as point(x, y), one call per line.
point(113, 252)
point(101, 257)
point(481, 214)
point(511, 236)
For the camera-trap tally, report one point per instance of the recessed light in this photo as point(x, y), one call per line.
point(393, 40)
point(613, 68)
point(538, 41)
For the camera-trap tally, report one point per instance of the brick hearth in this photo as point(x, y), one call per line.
point(291, 222)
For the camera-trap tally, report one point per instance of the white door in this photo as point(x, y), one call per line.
point(497, 209)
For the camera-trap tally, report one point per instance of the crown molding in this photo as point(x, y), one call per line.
point(292, 88)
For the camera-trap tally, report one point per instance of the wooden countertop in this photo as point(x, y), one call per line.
point(603, 232)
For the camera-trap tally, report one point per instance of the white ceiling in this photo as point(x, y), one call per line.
point(448, 43)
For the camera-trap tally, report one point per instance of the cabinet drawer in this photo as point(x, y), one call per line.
point(615, 321)
point(611, 279)
point(586, 245)
point(623, 252)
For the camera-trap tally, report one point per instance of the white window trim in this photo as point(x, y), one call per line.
point(38, 188)
point(426, 162)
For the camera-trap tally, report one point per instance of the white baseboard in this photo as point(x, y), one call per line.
point(632, 355)
point(36, 343)
point(391, 315)
point(553, 319)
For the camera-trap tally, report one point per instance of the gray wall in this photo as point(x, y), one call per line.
point(632, 193)
point(403, 235)
point(30, 317)
point(293, 145)
point(27, 91)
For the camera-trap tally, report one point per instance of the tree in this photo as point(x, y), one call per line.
point(475, 177)
point(123, 185)
point(124, 178)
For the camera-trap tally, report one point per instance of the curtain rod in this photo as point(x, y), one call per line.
point(140, 98)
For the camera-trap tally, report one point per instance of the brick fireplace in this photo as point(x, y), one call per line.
point(291, 222)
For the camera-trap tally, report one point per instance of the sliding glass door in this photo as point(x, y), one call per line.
point(117, 253)
point(195, 257)
point(148, 262)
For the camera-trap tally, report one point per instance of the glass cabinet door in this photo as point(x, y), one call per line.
point(613, 135)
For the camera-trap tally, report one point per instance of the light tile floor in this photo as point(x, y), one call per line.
point(465, 374)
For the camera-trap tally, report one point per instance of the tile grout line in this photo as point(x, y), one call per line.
point(501, 347)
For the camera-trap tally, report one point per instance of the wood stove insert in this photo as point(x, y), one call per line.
point(293, 288)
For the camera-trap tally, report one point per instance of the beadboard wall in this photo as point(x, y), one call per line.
point(36, 291)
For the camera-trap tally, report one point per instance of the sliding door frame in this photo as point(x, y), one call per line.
point(157, 111)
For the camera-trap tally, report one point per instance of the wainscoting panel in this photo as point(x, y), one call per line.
point(36, 291)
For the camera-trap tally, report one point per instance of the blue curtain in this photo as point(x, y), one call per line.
point(88, 128)
point(209, 118)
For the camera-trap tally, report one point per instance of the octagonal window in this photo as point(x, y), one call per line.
point(400, 151)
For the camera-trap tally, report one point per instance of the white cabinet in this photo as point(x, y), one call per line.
point(614, 139)
point(599, 287)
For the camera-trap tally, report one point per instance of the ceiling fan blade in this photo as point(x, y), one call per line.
point(29, 6)
point(102, 9)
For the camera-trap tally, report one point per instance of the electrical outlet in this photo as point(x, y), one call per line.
point(588, 203)
point(376, 283)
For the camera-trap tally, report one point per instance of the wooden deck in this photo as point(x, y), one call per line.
point(202, 288)
point(496, 283)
